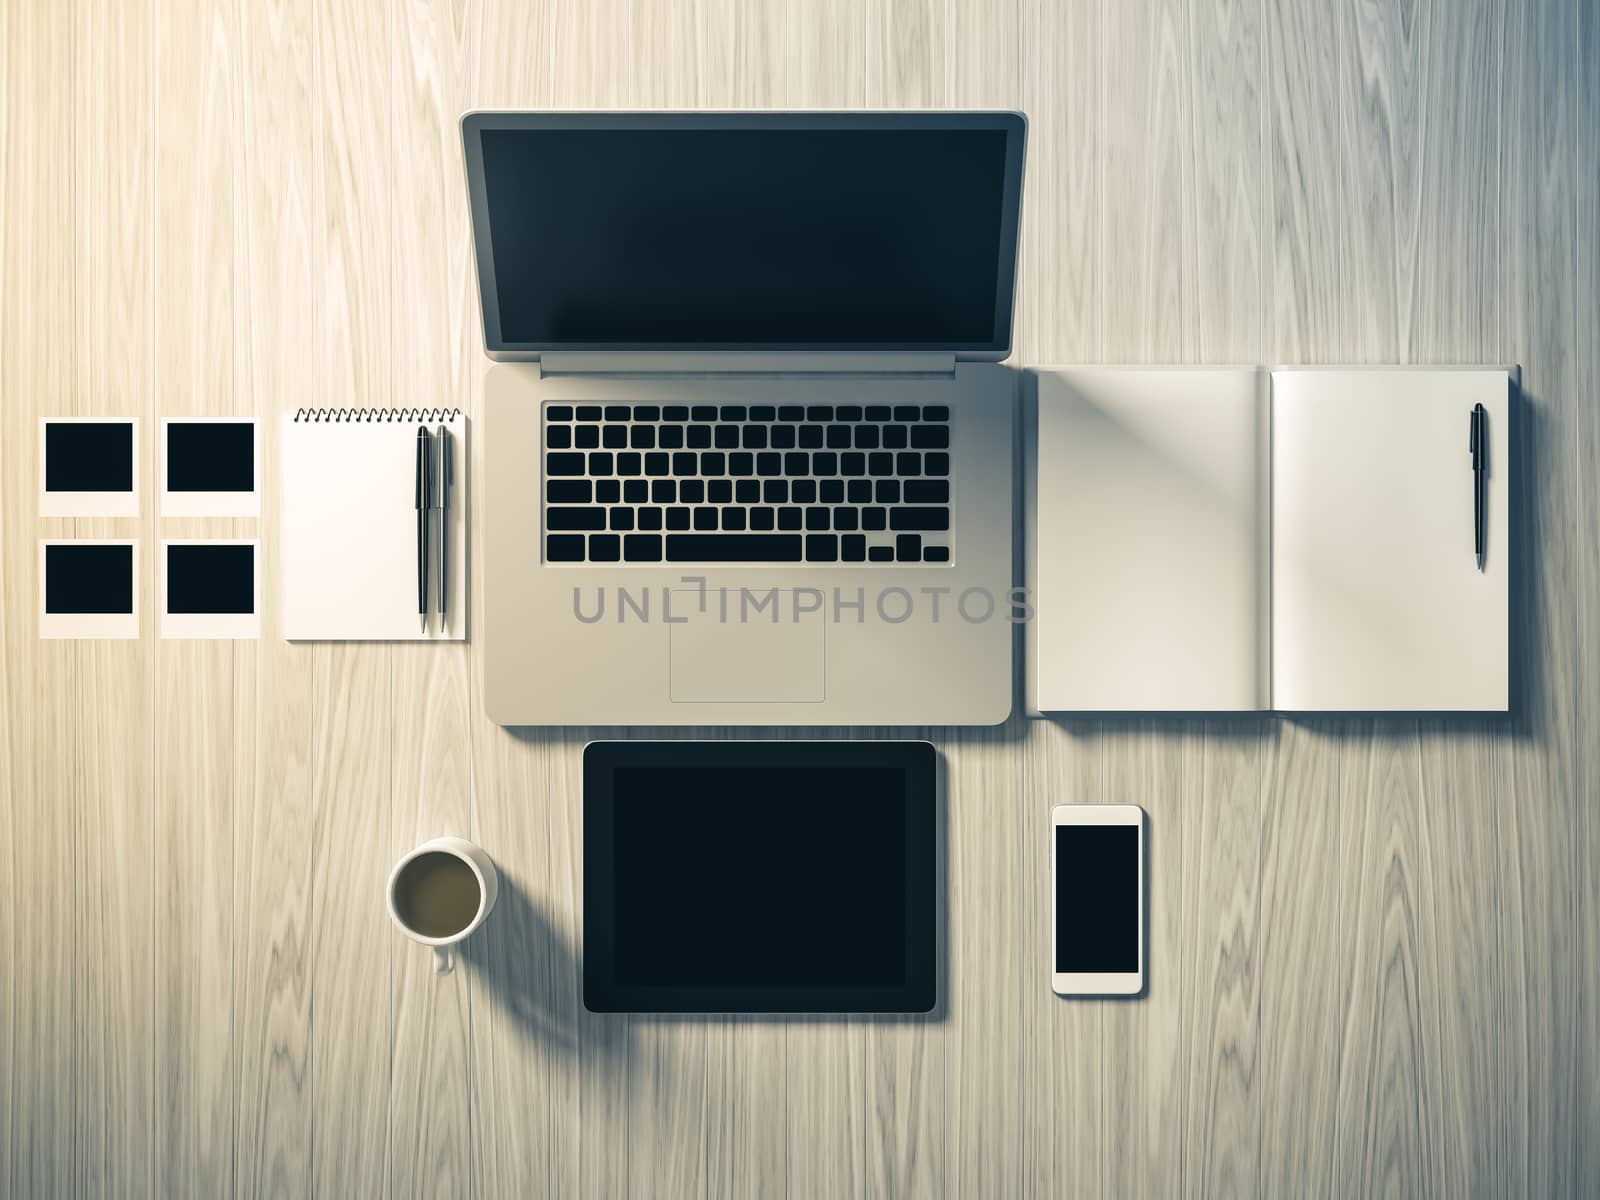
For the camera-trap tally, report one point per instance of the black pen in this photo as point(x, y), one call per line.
point(424, 501)
point(1477, 443)
point(441, 495)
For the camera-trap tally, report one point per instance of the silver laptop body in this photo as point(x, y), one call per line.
point(748, 446)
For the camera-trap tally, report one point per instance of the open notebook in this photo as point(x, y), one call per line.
point(1228, 539)
point(349, 527)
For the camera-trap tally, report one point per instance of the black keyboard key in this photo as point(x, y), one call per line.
point(791, 412)
point(831, 491)
point(733, 547)
point(853, 548)
point(563, 464)
point(906, 412)
point(763, 412)
point(607, 491)
point(664, 491)
point(588, 412)
point(817, 519)
point(670, 437)
point(874, 518)
point(677, 518)
point(719, 491)
point(822, 547)
point(775, 491)
point(646, 412)
point(894, 437)
point(558, 437)
point(935, 412)
point(614, 437)
point(790, 517)
point(733, 520)
point(703, 412)
point(936, 554)
point(564, 547)
point(636, 491)
point(575, 518)
point(642, 547)
point(686, 462)
point(880, 463)
point(568, 491)
point(853, 463)
point(811, 437)
point(643, 437)
point(649, 518)
point(747, 491)
point(908, 462)
point(762, 518)
point(755, 437)
point(936, 464)
point(656, 463)
point(819, 412)
point(675, 412)
point(908, 547)
point(847, 412)
point(879, 412)
point(629, 463)
point(698, 437)
point(858, 491)
point(769, 462)
point(838, 437)
point(733, 412)
point(604, 547)
point(600, 462)
point(741, 462)
point(888, 491)
point(725, 437)
point(797, 462)
point(824, 462)
point(622, 519)
point(617, 412)
point(705, 518)
point(844, 519)
point(866, 437)
point(930, 437)
point(781, 437)
point(881, 554)
point(923, 520)
point(691, 491)
point(803, 491)
point(927, 491)
point(558, 412)
point(586, 437)
point(713, 462)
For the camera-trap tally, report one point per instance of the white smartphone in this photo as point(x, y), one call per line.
point(1097, 875)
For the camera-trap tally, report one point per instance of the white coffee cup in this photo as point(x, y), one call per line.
point(488, 880)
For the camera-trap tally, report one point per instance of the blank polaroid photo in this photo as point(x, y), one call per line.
point(88, 589)
point(88, 467)
point(211, 588)
point(210, 467)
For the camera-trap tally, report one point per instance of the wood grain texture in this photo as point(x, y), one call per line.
point(1373, 942)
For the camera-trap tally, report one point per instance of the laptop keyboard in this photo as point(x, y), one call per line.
point(645, 483)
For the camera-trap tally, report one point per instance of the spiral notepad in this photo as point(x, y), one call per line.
point(349, 526)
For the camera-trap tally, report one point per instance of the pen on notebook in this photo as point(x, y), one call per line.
point(424, 501)
point(1480, 455)
point(441, 494)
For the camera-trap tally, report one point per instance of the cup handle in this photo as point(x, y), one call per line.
point(443, 960)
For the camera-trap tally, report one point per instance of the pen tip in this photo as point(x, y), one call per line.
point(422, 622)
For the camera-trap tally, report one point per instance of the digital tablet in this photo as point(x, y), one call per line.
point(760, 877)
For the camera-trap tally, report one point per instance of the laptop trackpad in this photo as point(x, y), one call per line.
point(719, 658)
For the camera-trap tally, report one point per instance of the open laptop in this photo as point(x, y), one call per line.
point(748, 442)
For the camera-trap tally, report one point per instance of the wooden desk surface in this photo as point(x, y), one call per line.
point(1376, 943)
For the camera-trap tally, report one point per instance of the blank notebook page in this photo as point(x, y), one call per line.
point(349, 532)
point(1377, 600)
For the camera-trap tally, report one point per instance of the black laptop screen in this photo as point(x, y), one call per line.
point(779, 237)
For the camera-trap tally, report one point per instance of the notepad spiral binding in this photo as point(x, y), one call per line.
point(375, 415)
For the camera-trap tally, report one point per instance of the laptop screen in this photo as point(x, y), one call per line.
point(746, 231)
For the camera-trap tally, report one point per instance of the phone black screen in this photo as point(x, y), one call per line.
point(1097, 899)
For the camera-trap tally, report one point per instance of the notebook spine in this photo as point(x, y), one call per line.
point(374, 416)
